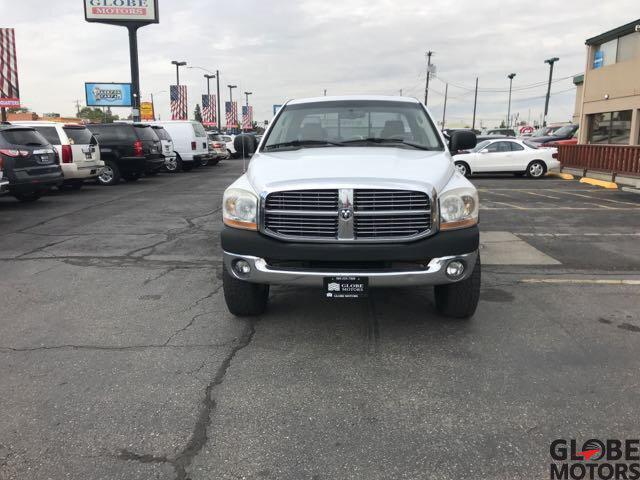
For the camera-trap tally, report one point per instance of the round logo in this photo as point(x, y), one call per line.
point(593, 450)
point(346, 213)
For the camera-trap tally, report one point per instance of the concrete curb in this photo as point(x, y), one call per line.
point(599, 183)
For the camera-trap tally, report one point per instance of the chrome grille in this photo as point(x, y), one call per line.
point(375, 214)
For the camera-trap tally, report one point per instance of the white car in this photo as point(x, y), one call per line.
point(190, 142)
point(507, 156)
point(170, 158)
point(228, 139)
point(77, 149)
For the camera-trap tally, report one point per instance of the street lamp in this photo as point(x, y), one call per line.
point(231, 87)
point(178, 65)
point(550, 61)
point(153, 105)
point(246, 95)
point(510, 77)
point(217, 77)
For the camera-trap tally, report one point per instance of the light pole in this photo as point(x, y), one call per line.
point(550, 61)
point(153, 105)
point(217, 77)
point(178, 65)
point(510, 77)
point(246, 95)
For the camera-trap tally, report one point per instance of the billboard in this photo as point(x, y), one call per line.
point(121, 11)
point(9, 91)
point(108, 94)
point(146, 111)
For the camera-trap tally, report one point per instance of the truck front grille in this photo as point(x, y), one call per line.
point(347, 214)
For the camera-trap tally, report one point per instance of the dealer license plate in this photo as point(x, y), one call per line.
point(346, 287)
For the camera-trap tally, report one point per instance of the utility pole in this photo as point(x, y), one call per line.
point(218, 120)
point(444, 109)
point(400, 92)
point(153, 108)
point(426, 87)
point(231, 87)
point(325, 92)
point(550, 61)
point(475, 103)
point(78, 107)
point(510, 77)
point(178, 65)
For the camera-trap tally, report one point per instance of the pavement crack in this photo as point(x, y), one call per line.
point(43, 247)
point(114, 348)
point(187, 326)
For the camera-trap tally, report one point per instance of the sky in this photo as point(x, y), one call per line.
point(291, 49)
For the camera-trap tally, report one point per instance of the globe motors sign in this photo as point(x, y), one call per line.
point(121, 11)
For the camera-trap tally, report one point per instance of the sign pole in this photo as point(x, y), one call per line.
point(4, 114)
point(135, 71)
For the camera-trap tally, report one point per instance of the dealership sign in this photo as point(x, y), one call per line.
point(121, 11)
point(108, 94)
point(9, 89)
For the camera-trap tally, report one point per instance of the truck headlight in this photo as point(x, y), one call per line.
point(458, 209)
point(239, 209)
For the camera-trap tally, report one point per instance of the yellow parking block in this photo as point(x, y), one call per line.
point(564, 176)
point(599, 183)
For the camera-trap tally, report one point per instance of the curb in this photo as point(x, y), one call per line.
point(564, 176)
point(599, 183)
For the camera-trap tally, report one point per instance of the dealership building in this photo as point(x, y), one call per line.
point(609, 93)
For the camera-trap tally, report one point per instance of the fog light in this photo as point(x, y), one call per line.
point(455, 269)
point(242, 267)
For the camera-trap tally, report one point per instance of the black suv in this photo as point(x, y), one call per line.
point(29, 163)
point(128, 150)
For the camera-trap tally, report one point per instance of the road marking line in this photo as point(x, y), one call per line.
point(603, 199)
point(508, 205)
point(582, 281)
point(541, 195)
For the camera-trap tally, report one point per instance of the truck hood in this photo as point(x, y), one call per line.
point(344, 167)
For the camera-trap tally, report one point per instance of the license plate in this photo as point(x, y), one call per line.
point(43, 160)
point(346, 287)
point(88, 155)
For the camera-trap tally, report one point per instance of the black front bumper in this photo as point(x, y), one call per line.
point(442, 244)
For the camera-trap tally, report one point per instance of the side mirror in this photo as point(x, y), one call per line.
point(245, 145)
point(462, 140)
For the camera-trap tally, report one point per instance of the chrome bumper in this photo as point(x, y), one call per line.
point(434, 274)
point(4, 186)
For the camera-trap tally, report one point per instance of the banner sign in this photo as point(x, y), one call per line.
point(178, 105)
point(146, 111)
point(121, 11)
point(209, 110)
point(9, 90)
point(108, 94)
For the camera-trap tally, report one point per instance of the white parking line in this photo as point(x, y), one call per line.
point(554, 208)
point(603, 199)
point(583, 234)
point(582, 281)
point(541, 195)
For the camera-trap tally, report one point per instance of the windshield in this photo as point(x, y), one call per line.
point(146, 133)
point(25, 136)
point(480, 146)
point(353, 123)
point(564, 131)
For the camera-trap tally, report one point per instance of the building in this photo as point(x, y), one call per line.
point(609, 101)
point(578, 81)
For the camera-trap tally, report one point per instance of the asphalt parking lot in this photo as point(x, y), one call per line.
point(118, 359)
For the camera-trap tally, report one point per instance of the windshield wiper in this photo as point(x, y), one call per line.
point(389, 140)
point(302, 143)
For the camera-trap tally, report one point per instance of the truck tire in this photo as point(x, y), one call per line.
point(460, 299)
point(243, 298)
point(174, 165)
point(27, 197)
point(110, 174)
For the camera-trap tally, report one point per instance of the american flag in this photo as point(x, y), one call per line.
point(178, 94)
point(209, 110)
point(9, 91)
point(231, 110)
point(247, 117)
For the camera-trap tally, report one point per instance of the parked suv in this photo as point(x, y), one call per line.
point(347, 193)
point(128, 151)
point(77, 149)
point(190, 142)
point(170, 159)
point(28, 162)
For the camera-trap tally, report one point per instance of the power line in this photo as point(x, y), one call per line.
point(500, 90)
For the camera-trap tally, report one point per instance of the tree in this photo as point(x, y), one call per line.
point(97, 115)
point(197, 113)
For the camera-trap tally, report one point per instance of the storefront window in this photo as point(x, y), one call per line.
point(610, 128)
point(606, 54)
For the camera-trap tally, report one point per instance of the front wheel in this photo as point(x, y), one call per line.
point(463, 168)
point(536, 169)
point(243, 298)
point(460, 299)
point(172, 164)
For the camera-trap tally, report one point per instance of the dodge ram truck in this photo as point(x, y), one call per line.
point(350, 193)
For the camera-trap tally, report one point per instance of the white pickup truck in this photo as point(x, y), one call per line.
point(347, 193)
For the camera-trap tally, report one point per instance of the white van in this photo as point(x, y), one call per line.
point(77, 149)
point(190, 142)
